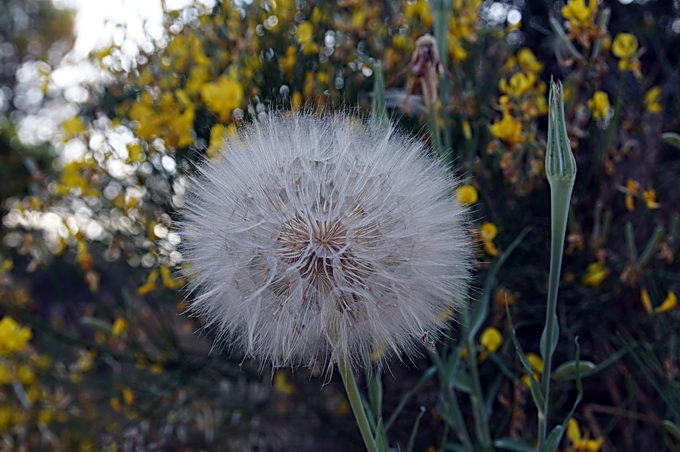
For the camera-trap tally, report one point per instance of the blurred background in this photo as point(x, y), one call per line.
point(104, 105)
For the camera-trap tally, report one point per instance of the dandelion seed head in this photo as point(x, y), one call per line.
point(314, 239)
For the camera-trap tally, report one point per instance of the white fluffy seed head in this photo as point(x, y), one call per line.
point(315, 239)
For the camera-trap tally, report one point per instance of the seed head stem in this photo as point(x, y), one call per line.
point(354, 397)
point(560, 167)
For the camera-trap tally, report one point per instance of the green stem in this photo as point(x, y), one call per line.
point(651, 247)
point(442, 14)
point(560, 194)
point(451, 404)
point(436, 133)
point(355, 402)
point(477, 399)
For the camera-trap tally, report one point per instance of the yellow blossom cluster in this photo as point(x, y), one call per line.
point(670, 302)
point(13, 337)
point(488, 232)
point(522, 98)
point(467, 195)
point(184, 99)
point(463, 26)
point(580, 16)
point(599, 104)
point(579, 443)
point(632, 190)
point(625, 47)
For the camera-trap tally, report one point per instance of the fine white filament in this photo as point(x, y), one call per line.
point(319, 238)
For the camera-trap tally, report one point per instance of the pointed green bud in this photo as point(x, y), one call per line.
point(560, 165)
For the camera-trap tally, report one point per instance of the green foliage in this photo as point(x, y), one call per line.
point(89, 255)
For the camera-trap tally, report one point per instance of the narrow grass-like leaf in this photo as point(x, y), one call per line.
point(424, 378)
point(378, 108)
point(97, 323)
point(564, 40)
point(535, 388)
point(514, 445)
point(671, 428)
point(554, 438)
point(568, 370)
point(476, 316)
point(672, 138)
point(414, 431)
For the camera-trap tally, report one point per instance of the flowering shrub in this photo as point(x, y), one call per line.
point(96, 349)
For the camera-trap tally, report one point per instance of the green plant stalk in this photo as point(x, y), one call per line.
point(477, 399)
point(442, 14)
point(354, 397)
point(436, 133)
point(559, 211)
point(450, 397)
point(653, 243)
point(560, 168)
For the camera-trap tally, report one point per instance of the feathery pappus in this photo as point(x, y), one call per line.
point(319, 238)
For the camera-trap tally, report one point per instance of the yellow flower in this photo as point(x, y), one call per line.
point(197, 77)
point(168, 280)
point(13, 337)
point(72, 127)
point(632, 188)
point(6, 374)
point(149, 285)
point(595, 274)
point(652, 100)
point(181, 127)
point(115, 404)
point(288, 61)
point(646, 300)
point(144, 114)
point(669, 303)
point(304, 34)
point(487, 233)
point(119, 326)
point(218, 135)
point(467, 194)
point(399, 41)
point(535, 362)
point(528, 61)
point(579, 14)
point(296, 100)
point(456, 49)
point(135, 153)
point(518, 84)
point(419, 9)
point(467, 130)
point(508, 129)
point(491, 339)
point(222, 96)
point(281, 383)
point(625, 45)
point(128, 396)
point(649, 196)
point(7, 417)
point(25, 375)
point(73, 177)
point(599, 104)
point(578, 442)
